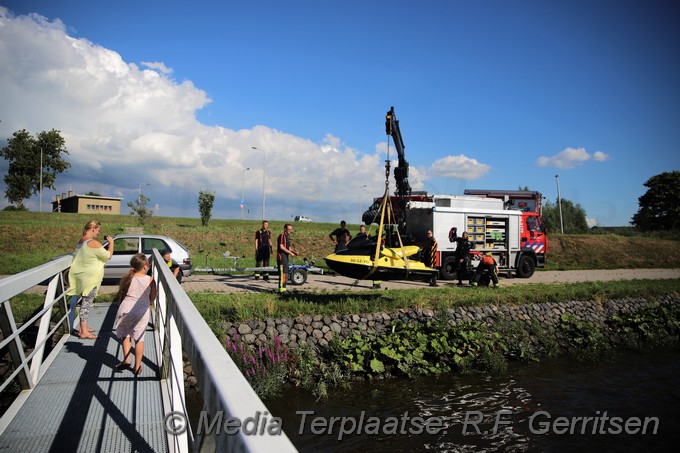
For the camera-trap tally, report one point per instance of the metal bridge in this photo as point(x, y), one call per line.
point(72, 399)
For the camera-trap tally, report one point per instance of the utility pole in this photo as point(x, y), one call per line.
point(41, 168)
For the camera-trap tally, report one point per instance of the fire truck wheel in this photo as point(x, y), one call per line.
point(298, 276)
point(525, 267)
point(448, 269)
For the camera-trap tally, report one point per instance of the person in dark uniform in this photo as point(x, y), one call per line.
point(463, 247)
point(263, 248)
point(283, 252)
point(340, 237)
point(430, 255)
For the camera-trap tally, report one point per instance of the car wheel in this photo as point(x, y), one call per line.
point(298, 276)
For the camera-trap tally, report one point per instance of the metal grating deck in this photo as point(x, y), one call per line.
point(81, 404)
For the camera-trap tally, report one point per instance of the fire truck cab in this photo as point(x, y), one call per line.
point(516, 239)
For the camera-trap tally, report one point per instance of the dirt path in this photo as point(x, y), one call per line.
point(238, 283)
point(244, 284)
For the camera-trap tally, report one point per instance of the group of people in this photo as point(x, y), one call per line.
point(429, 256)
point(487, 263)
point(264, 250)
point(136, 293)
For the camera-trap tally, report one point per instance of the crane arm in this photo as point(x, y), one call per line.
point(401, 170)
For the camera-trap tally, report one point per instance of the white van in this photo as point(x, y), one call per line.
point(302, 218)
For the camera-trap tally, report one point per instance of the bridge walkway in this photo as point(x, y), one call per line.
point(82, 403)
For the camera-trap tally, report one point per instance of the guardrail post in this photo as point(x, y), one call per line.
point(43, 328)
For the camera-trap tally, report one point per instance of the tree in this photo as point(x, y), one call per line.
point(23, 152)
point(659, 208)
point(573, 217)
point(139, 208)
point(205, 205)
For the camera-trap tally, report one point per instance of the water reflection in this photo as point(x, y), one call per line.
point(506, 413)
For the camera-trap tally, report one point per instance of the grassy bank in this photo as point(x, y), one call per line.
point(28, 239)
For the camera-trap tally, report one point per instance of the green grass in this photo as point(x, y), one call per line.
point(28, 239)
point(247, 306)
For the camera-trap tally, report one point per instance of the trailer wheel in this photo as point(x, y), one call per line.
point(298, 276)
point(525, 267)
point(448, 269)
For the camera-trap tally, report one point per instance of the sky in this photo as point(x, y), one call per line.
point(171, 98)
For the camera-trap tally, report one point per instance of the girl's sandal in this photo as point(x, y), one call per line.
point(122, 366)
point(137, 371)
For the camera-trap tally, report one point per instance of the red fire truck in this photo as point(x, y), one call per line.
point(516, 239)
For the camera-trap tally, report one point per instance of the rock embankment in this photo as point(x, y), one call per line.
point(317, 331)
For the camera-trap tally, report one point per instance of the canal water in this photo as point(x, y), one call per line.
point(626, 402)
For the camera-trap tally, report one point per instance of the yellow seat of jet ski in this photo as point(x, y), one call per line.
point(399, 252)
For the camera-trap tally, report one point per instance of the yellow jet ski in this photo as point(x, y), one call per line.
point(393, 263)
point(367, 258)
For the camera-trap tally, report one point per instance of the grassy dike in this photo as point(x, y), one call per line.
point(30, 239)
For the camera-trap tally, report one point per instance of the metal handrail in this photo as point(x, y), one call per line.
point(29, 368)
point(179, 326)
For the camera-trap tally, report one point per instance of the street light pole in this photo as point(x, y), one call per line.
point(264, 175)
point(360, 191)
point(559, 203)
point(139, 197)
point(243, 189)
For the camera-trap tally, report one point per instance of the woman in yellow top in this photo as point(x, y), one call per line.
point(87, 272)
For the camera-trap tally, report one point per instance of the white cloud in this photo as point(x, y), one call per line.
point(124, 125)
point(459, 167)
point(570, 158)
point(158, 66)
point(600, 156)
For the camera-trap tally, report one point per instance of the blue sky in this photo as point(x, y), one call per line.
point(490, 94)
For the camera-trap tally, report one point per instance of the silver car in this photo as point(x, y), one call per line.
point(126, 245)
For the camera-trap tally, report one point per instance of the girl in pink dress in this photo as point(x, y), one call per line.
point(136, 293)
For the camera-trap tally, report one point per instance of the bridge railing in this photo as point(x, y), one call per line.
point(227, 395)
point(178, 325)
point(29, 368)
